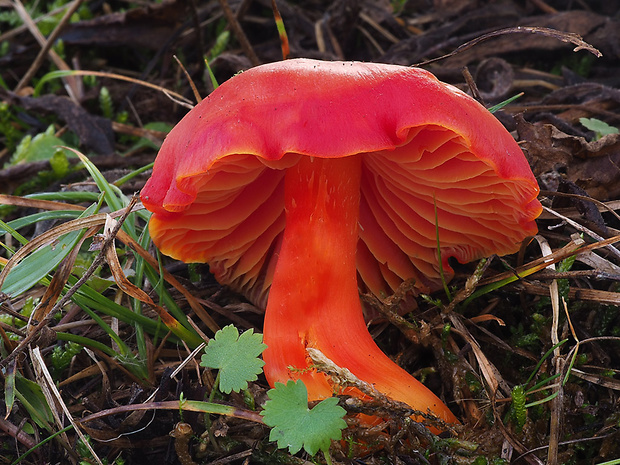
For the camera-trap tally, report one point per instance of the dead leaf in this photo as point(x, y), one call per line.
point(94, 132)
point(590, 214)
point(148, 27)
point(593, 166)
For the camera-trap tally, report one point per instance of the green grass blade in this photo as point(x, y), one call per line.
point(136, 304)
point(66, 196)
point(113, 196)
point(86, 342)
point(126, 357)
point(542, 360)
point(501, 105)
point(88, 297)
point(31, 397)
point(38, 217)
point(540, 384)
point(9, 387)
point(128, 177)
point(42, 443)
point(109, 331)
point(214, 82)
point(611, 462)
point(542, 401)
point(38, 264)
point(8, 228)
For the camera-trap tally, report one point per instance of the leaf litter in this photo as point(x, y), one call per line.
point(502, 329)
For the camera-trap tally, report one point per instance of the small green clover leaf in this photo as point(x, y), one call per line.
point(295, 426)
point(235, 356)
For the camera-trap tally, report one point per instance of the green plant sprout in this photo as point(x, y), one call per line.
point(221, 42)
point(105, 102)
point(43, 146)
point(520, 394)
point(62, 355)
point(519, 411)
point(600, 128)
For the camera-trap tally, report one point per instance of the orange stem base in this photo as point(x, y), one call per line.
point(314, 300)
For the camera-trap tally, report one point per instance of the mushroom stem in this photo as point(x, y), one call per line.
point(314, 300)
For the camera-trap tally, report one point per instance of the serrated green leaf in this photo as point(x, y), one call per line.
point(235, 356)
point(294, 425)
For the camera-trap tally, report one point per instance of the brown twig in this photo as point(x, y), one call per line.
point(238, 31)
point(471, 83)
point(170, 405)
point(196, 20)
point(37, 203)
point(567, 37)
point(543, 6)
point(46, 44)
point(197, 95)
point(17, 433)
point(8, 35)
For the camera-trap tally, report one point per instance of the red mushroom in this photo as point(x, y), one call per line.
point(302, 181)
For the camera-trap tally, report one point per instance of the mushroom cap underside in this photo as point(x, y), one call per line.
point(217, 190)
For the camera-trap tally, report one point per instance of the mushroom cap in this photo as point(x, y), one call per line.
point(217, 189)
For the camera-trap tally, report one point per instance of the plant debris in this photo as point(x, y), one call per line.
point(100, 337)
